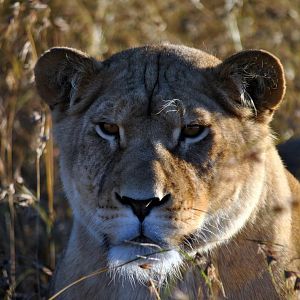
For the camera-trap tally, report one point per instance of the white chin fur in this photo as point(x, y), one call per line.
point(159, 265)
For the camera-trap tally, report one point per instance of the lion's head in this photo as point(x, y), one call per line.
point(162, 147)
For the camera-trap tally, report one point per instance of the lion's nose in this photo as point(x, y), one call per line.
point(141, 208)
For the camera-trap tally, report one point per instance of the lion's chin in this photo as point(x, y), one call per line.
point(140, 264)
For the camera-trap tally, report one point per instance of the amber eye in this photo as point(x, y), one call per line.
point(194, 132)
point(108, 128)
point(107, 131)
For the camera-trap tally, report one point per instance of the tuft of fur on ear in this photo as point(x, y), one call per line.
point(60, 74)
point(255, 79)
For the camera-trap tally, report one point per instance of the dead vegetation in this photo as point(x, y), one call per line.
point(34, 217)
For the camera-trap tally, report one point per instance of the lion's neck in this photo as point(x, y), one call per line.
point(266, 236)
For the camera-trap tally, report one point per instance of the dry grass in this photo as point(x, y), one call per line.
point(34, 217)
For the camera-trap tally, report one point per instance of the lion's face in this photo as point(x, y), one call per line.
point(158, 156)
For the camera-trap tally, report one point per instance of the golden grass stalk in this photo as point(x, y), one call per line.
point(49, 163)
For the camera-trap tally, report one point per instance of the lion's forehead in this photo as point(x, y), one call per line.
point(156, 76)
point(176, 104)
point(156, 69)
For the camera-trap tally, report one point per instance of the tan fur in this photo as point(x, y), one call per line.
point(231, 202)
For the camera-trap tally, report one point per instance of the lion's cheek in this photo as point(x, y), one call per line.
point(173, 225)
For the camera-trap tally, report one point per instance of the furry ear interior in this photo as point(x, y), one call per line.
point(60, 74)
point(254, 78)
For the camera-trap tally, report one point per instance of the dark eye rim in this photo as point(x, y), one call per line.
point(105, 131)
point(201, 127)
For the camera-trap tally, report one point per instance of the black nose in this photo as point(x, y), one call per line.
point(141, 208)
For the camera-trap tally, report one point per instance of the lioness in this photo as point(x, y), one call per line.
point(167, 159)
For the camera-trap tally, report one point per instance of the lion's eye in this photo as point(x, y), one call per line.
point(194, 133)
point(107, 131)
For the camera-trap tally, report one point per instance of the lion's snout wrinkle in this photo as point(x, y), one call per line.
point(139, 181)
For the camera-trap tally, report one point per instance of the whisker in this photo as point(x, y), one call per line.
point(201, 210)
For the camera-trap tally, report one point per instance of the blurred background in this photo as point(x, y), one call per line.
point(34, 217)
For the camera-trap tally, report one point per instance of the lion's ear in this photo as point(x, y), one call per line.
point(254, 78)
point(60, 74)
